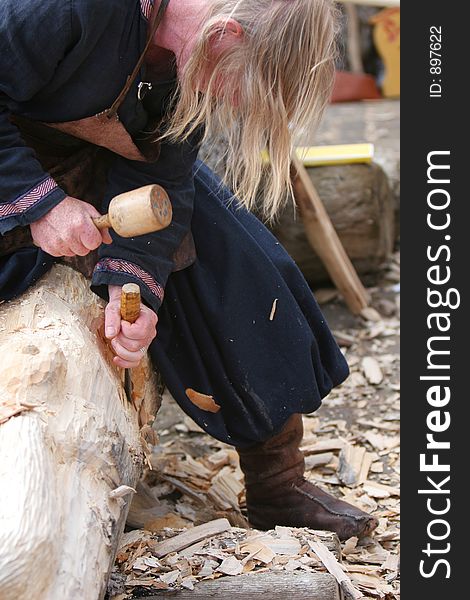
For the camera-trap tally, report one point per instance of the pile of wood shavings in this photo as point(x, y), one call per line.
point(148, 562)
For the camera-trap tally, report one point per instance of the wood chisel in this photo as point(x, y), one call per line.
point(130, 310)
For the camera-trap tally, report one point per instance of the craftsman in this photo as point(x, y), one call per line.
point(81, 120)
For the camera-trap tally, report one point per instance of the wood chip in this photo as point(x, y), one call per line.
point(231, 566)
point(317, 460)
point(11, 408)
point(140, 565)
point(208, 568)
point(202, 401)
point(356, 380)
point(352, 568)
point(190, 537)
point(344, 339)
point(370, 314)
point(219, 459)
point(195, 467)
point(188, 583)
point(371, 583)
point(170, 577)
point(378, 490)
point(285, 545)
point(372, 370)
point(258, 551)
point(132, 537)
point(392, 563)
point(225, 490)
point(365, 467)
point(382, 442)
point(121, 491)
point(293, 565)
point(377, 467)
point(323, 446)
point(350, 464)
point(349, 546)
point(152, 562)
point(190, 551)
point(379, 425)
point(273, 310)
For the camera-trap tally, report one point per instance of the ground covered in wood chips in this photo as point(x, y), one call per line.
point(189, 518)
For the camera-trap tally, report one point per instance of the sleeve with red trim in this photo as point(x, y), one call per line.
point(147, 259)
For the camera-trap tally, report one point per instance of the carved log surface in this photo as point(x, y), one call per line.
point(74, 439)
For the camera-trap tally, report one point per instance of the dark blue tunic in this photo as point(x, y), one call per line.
point(65, 60)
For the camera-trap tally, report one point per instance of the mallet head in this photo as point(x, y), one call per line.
point(144, 210)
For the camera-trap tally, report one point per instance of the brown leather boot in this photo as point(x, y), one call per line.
point(278, 494)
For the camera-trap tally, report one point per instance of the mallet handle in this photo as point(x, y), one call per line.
point(102, 222)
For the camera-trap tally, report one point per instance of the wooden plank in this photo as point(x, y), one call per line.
point(190, 537)
point(324, 239)
point(279, 586)
point(334, 567)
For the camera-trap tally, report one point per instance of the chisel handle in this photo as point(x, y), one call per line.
point(130, 302)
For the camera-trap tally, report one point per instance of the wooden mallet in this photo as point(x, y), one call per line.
point(130, 311)
point(144, 210)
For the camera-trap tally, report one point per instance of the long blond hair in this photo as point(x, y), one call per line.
point(276, 82)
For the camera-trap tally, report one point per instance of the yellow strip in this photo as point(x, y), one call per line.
point(314, 156)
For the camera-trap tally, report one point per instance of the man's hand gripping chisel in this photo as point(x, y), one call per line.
point(130, 311)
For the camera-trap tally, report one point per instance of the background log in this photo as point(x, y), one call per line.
point(74, 440)
point(276, 586)
point(358, 201)
point(376, 122)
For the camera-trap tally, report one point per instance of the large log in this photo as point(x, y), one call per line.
point(276, 586)
point(74, 439)
point(358, 201)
